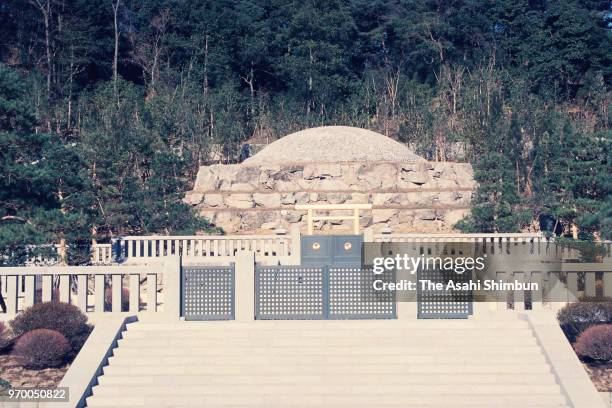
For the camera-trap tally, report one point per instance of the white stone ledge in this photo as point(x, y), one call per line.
point(567, 368)
point(87, 366)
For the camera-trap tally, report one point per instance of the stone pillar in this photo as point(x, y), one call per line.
point(172, 287)
point(244, 296)
point(368, 234)
point(407, 304)
point(296, 244)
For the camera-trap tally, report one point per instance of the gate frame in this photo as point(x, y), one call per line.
point(312, 216)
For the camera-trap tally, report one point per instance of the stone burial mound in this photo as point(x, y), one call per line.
point(334, 165)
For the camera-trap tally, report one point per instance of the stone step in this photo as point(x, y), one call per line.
point(270, 358)
point(329, 389)
point(112, 404)
point(328, 401)
point(324, 341)
point(356, 368)
point(318, 379)
point(490, 350)
point(332, 364)
point(365, 334)
point(349, 325)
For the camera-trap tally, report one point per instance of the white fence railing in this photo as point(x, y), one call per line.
point(142, 273)
point(101, 254)
point(491, 242)
point(455, 237)
point(92, 288)
point(269, 249)
point(140, 249)
point(571, 283)
point(219, 249)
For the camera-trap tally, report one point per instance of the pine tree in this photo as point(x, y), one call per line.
point(42, 195)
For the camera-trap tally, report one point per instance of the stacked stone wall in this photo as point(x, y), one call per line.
point(406, 197)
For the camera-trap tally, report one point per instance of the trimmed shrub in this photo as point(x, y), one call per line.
point(62, 317)
point(125, 299)
point(41, 348)
point(5, 337)
point(577, 317)
point(595, 343)
point(77, 341)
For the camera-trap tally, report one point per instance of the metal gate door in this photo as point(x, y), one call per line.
point(337, 250)
point(208, 292)
point(445, 304)
point(352, 295)
point(320, 292)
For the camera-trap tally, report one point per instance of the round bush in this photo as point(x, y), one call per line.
point(62, 317)
point(77, 341)
point(577, 317)
point(41, 348)
point(595, 343)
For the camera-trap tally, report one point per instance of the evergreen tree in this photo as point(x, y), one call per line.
point(43, 197)
point(493, 83)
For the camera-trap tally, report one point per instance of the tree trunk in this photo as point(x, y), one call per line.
point(115, 6)
point(45, 9)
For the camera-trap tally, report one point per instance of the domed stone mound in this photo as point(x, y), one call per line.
point(334, 165)
point(334, 144)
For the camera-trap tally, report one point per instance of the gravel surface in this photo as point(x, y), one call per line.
point(333, 144)
point(601, 375)
point(17, 376)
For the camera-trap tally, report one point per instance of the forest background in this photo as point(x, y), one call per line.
point(108, 107)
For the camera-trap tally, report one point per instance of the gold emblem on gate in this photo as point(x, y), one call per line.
point(316, 246)
point(347, 246)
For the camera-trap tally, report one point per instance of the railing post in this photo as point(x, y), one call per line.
point(116, 282)
point(64, 288)
point(12, 300)
point(30, 290)
point(589, 284)
point(607, 284)
point(519, 295)
point(47, 288)
point(572, 286)
point(99, 293)
point(244, 295)
point(134, 293)
point(82, 292)
point(537, 298)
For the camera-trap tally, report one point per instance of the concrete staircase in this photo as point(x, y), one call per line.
point(384, 363)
